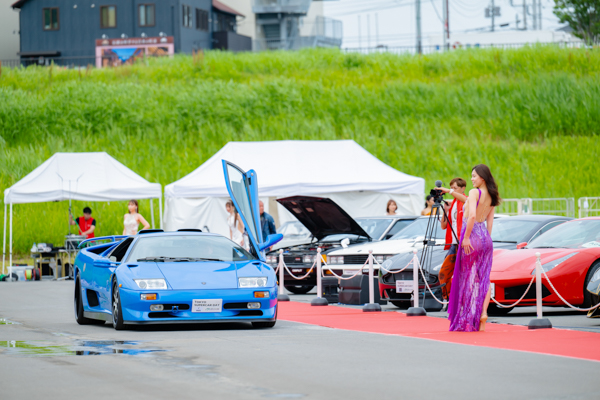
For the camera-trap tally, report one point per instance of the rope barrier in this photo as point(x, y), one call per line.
point(394, 272)
point(566, 302)
point(427, 285)
point(518, 301)
point(294, 276)
point(341, 277)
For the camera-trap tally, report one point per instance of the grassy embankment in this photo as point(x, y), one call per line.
point(531, 114)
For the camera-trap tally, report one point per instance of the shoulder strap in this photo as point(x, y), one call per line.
point(479, 197)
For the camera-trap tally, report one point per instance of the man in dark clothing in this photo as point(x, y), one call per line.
point(267, 223)
point(86, 224)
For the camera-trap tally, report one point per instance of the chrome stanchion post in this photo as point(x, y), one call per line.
point(372, 306)
point(281, 296)
point(540, 322)
point(415, 310)
point(319, 301)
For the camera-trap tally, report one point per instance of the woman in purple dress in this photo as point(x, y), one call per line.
point(470, 293)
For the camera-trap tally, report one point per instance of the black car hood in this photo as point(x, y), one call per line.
point(322, 216)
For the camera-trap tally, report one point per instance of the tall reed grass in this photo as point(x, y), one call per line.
point(531, 114)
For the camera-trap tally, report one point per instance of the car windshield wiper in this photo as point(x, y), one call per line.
point(503, 241)
point(192, 259)
point(157, 259)
point(543, 247)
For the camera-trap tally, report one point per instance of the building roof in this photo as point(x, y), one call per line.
point(18, 4)
point(223, 8)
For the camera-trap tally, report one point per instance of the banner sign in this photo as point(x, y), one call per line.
point(116, 52)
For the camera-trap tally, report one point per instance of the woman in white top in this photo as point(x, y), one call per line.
point(236, 226)
point(391, 208)
point(133, 219)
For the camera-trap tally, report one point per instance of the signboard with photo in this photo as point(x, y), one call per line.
point(117, 52)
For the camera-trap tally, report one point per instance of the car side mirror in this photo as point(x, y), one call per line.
point(271, 240)
point(102, 263)
point(112, 258)
point(521, 245)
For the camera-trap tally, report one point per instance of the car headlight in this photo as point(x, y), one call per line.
point(379, 258)
point(151, 283)
point(271, 259)
point(554, 263)
point(308, 259)
point(336, 259)
point(252, 282)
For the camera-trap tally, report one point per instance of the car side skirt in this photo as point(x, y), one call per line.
point(98, 315)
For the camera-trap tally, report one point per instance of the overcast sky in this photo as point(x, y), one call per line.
point(396, 18)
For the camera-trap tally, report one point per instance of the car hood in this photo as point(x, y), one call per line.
point(383, 247)
point(524, 259)
point(200, 275)
point(321, 216)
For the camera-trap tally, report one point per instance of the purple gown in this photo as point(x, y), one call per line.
point(471, 279)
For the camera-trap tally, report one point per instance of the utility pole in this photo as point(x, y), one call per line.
point(368, 31)
point(359, 37)
point(446, 13)
point(524, 15)
point(419, 44)
point(534, 14)
point(493, 15)
point(376, 29)
point(540, 15)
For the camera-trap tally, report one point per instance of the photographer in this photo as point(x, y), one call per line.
point(455, 216)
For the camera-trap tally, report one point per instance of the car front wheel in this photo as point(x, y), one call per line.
point(299, 289)
point(78, 305)
point(117, 314)
point(587, 296)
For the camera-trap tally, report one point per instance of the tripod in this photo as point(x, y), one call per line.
point(429, 241)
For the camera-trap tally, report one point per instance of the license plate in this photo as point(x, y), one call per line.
point(297, 270)
point(350, 271)
point(207, 305)
point(493, 289)
point(404, 286)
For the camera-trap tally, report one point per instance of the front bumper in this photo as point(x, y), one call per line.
point(136, 311)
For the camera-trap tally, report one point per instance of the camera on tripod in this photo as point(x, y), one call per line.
point(438, 196)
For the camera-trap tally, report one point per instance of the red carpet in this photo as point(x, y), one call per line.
point(558, 342)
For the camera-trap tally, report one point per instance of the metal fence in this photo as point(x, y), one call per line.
point(510, 207)
point(564, 206)
point(589, 207)
point(440, 49)
point(71, 62)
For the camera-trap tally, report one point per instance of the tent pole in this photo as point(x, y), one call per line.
point(160, 213)
point(4, 239)
point(10, 245)
point(152, 214)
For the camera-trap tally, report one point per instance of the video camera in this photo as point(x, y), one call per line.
point(438, 196)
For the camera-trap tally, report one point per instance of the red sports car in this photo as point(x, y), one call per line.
point(570, 255)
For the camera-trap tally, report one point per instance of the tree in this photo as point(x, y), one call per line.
point(583, 16)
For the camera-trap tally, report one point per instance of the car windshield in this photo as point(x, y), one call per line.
point(293, 230)
point(418, 229)
point(374, 226)
point(573, 235)
point(512, 230)
point(188, 248)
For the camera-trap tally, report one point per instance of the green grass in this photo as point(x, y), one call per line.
point(531, 114)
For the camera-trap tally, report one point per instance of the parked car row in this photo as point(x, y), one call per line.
point(570, 254)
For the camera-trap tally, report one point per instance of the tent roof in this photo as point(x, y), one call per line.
point(298, 167)
point(81, 176)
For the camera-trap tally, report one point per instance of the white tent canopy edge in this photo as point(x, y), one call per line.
point(77, 176)
point(339, 169)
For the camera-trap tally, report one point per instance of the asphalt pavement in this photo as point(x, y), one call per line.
point(45, 354)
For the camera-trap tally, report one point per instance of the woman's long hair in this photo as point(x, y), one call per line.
point(427, 200)
point(484, 172)
point(230, 204)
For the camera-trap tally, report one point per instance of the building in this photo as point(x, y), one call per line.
point(9, 31)
point(67, 30)
point(287, 24)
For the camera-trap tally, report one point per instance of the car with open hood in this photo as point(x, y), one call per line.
point(187, 276)
point(330, 227)
point(508, 233)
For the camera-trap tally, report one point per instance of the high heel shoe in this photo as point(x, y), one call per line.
point(482, 322)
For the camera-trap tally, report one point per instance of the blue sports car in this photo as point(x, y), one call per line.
point(183, 276)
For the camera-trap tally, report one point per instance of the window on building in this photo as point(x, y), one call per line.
point(146, 14)
point(187, 16)
point(201, 20)
point(224, 23)
point(108, 16)
point(51, 19)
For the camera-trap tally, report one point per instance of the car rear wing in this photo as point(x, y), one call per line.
point(100, 240)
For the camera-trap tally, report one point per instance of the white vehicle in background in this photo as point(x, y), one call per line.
point(352, 258)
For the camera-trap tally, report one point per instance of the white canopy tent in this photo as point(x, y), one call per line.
point(339, 169)
point(78, 176)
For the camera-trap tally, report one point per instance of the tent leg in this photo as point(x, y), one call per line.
point(160, 213)
point(4, 240)
point(152, 214)
point(10, 245)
